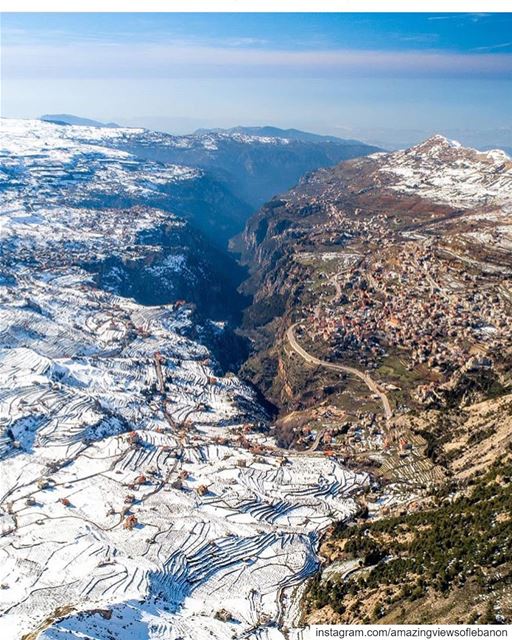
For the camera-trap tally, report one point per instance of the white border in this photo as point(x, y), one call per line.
point(257, 6)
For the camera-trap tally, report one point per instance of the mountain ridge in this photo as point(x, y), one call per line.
point(276, 132)
point(68, 118)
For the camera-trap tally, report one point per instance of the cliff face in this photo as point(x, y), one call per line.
point(398, 267)
point(381, 328)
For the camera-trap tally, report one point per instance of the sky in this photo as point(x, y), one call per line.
point(390, 79)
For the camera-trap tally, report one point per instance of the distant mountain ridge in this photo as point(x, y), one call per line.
point(68, 118)
point(269, 131)
point(253, 167)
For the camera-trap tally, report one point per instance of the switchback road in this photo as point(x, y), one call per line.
point(370, 383)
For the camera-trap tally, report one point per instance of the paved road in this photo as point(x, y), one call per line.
point(370, 383)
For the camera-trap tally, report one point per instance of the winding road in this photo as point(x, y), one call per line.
point(370, 383)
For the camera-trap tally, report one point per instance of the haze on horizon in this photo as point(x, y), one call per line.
point(388, 79)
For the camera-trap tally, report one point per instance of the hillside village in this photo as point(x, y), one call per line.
point(386, 286)
point(415, 304)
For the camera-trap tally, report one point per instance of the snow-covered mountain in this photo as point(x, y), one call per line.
point(141, 495)
point(445, 171)
point(253, 163)
point(66, 164)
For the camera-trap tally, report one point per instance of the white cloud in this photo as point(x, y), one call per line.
point(493, 47)
point(138, 60)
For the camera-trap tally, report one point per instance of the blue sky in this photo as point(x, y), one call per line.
point(387, 78)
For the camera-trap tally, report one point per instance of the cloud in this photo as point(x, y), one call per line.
point(178, 59)
point(493, 47)
point(471, 17)
point(245, 42)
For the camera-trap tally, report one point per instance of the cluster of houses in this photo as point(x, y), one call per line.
point(412, 301)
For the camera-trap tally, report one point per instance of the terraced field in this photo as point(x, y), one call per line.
point(139, 501)
point(141, 495)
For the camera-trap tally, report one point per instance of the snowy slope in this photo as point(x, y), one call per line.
point(83, 419)
point(443, 171)
point(47, 162)
point(140, 494)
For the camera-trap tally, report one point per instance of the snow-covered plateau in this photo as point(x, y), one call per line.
point(141, 496)
point(42, 162)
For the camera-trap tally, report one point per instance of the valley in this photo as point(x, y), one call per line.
point(190, 447)
point(143, 494)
